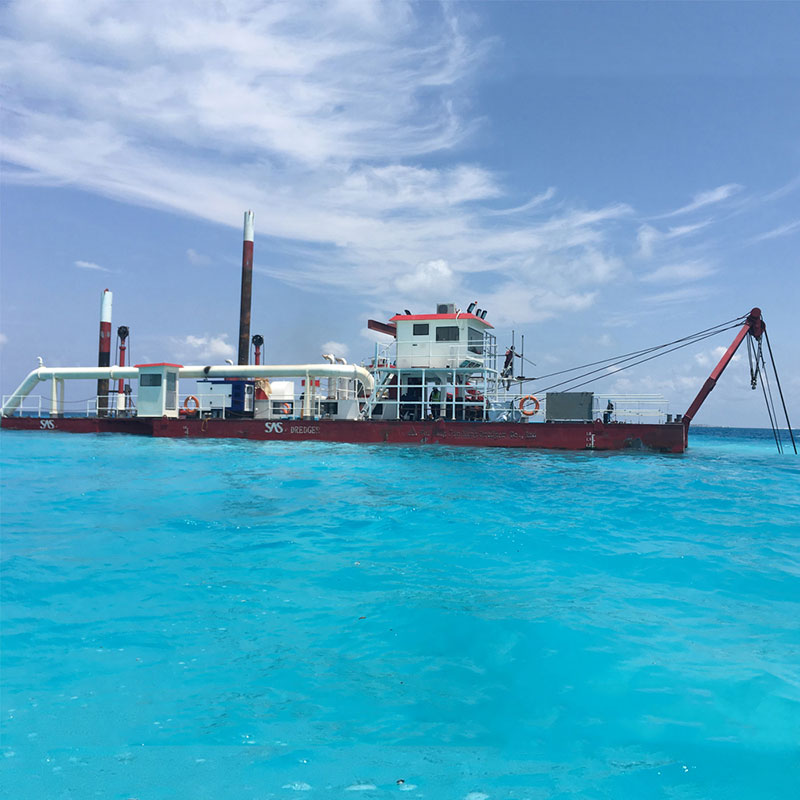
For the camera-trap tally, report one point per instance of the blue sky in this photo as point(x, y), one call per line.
point(600, 176)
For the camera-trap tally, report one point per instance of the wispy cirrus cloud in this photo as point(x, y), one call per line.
point(685, 294)
point(90, 265)
point(775, 233)
point(326, 125)
point(685, 272)
point(321, 123)
point(707, 198)
point(649, 238)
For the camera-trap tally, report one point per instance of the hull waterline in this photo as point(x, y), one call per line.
point(665, 438)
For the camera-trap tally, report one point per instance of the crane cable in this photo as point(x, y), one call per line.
point(773, 417)
point(680, 343)
point(756, 354)
point(621, 358)
point(780, 391)
point(758, 366)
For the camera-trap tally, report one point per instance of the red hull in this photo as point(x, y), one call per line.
point(669, 438)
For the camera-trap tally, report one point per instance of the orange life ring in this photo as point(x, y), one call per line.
point(524, 400)
point(286, 408)
point(196, 406)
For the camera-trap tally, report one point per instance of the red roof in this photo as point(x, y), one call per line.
point(138, 366)
point(421, 317)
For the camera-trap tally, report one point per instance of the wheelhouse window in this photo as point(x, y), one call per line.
point(475, 341)
point(149, 379)
point(421, 329)
point(447, 333)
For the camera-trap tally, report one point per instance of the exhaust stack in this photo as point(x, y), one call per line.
point(122, 334)
point(247, 289)
point(104, 351)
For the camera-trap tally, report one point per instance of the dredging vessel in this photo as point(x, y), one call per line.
point(436, 380)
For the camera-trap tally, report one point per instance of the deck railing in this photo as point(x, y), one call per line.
point(408, 398)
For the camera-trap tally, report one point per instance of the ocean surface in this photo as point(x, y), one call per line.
point(231, 619)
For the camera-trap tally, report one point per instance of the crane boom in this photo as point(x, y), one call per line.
point(753, 325)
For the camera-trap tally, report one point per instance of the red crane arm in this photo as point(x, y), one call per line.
point(384, 327)
point(753, 325)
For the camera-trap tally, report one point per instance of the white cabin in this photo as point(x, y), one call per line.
point(158, 390)
point(440, 341)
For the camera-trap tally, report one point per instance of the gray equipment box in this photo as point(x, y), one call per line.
point(568, 406)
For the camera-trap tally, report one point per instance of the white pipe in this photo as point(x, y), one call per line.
point(306, 398)
point(349, 371)
point(53, 396)
point(339, 360)
point(249, 226)
point(333, 383)
point(46, 373)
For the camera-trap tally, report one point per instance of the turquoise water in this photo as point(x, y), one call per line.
point(232, 619)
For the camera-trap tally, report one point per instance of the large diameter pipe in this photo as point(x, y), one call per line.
point(104, 351)
point(48, 373)
point(349, 371)
point(247, 288)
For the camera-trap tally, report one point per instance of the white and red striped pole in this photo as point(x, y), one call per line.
point(247, 289)
point(104, 351)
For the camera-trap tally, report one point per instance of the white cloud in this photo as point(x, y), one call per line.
point(197, 259)
point(678, 295)
point(335, 348)
point(703, 359)
point(708, 358)
point(649, 237)
point(533, 203)
point(720, 351)
point(512, 304)
point(319, 122)
point(679, 273)
point(91, 265)
point(204, 348)
point(783, 230)
point(707, 198)
point(3, 339)
point(684, 230)
point(431, 280)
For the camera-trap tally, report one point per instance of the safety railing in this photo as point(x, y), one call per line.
point(630, 407)
point(40, 406)
point(442, 354)
point(30, 406)
point(107, 405)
